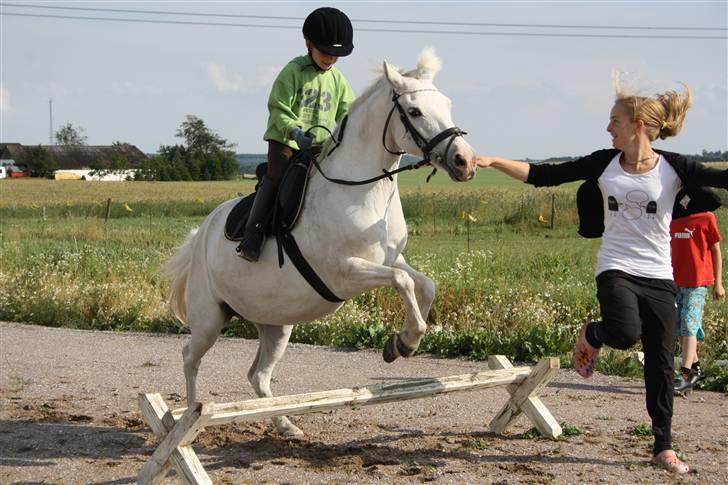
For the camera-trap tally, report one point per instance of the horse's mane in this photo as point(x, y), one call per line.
point(361, 99)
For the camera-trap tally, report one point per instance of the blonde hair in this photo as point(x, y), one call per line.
point(662, 114)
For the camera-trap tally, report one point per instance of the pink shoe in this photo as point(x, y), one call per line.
point(585, 356)
point(669, 461)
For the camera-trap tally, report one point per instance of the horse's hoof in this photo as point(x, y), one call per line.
point(389, 352)
point(394, 348)
point(287, 429)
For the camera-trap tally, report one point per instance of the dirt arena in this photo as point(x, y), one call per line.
point(68, 414)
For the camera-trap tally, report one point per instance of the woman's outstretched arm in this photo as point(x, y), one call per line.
point(517, 170)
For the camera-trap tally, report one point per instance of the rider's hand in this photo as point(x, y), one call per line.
point(303, 139)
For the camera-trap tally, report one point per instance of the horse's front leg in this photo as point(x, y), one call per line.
point(424, 287)
point(367, 276)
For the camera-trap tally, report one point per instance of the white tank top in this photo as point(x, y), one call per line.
point(637, 215)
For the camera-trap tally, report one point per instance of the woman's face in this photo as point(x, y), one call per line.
point(622, 128)
point(323, 61)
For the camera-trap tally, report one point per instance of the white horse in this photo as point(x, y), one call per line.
point(352, 236)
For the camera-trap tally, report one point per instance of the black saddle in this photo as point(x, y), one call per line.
point(289, 199)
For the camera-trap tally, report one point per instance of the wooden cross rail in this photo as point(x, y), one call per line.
point(177, 429)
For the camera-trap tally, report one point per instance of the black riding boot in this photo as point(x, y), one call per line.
point(249, 247)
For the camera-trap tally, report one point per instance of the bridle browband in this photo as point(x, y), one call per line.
point(421, 142)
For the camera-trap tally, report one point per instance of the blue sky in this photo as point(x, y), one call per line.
point(516, 96)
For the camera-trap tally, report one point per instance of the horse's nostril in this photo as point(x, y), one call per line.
point(460, 161)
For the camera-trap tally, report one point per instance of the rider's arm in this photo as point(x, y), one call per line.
point(281, 104)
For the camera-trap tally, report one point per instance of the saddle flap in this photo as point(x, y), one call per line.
point(289, 199)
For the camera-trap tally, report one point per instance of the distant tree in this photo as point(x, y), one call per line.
point(119, 161)
point(40, 163)
point(71, 135)
point(203, 156)
point(150, 168)
point(200, 139)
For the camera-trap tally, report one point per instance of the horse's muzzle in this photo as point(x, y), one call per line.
point(460, 168)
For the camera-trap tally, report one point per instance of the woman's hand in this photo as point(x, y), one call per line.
point(483, 161)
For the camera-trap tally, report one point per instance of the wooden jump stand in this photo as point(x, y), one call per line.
point(178, 429)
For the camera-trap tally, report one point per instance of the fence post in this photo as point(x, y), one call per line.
point(106, 217)
point(553, 211)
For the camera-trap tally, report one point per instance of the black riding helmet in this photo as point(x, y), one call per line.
point(329, 29)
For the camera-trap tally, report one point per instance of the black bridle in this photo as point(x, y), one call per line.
point(422, 143)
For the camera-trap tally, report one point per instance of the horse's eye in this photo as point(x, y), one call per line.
point(414, 112)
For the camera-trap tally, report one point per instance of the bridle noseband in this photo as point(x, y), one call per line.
point(421, 142)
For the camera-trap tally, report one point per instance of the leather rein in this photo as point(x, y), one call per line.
point(422, 143)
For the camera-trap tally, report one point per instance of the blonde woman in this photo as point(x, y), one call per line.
point(632, 190)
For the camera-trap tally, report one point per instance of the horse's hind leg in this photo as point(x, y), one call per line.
point(272, 342)
point(205, 321)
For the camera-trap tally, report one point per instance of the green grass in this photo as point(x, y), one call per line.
point(511, 282)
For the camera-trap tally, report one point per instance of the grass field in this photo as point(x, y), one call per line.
point(512, 282)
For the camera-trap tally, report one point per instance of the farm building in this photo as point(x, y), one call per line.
point(75, 161)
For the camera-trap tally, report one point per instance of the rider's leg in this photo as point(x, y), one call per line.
point(254, 236)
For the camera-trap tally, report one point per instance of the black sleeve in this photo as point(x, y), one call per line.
point(699, 175)
point(590, 166)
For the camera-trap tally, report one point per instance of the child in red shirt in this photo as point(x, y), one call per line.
point(697, 264)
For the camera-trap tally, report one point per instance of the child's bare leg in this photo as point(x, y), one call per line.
point(689, 346)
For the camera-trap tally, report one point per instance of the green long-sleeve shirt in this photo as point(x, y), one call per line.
point(304, 96)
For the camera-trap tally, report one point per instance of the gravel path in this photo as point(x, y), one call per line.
point(68, 414)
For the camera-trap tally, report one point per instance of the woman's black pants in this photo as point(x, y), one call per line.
point(633, 309)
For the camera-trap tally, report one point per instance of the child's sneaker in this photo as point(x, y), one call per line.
point(669, 461)
point(585, 356)
point(698, 374)
point(683, 385)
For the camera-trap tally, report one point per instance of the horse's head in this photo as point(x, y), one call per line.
point(426, 125)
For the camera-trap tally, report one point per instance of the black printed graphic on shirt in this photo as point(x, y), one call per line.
point(637, 204)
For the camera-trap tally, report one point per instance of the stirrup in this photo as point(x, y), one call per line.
point(250, 245)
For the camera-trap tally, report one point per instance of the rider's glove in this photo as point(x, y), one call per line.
point(303, 139)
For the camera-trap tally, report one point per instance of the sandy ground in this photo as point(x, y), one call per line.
point(68, 414)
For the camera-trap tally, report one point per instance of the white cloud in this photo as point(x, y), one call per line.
point(223, 81)
point(4, 100)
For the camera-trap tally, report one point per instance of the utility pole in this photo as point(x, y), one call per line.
point(50, 123)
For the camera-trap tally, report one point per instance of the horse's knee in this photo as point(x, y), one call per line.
point(403, 281)
point(427, 290)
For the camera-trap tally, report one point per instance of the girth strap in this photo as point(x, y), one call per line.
point(299, 261)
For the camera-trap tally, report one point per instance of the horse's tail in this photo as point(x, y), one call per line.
point(178, 269)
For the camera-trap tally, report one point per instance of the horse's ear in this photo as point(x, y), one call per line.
point(428, 64)
point(393, 76)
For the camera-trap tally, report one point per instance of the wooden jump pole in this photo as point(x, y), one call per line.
point(177, 429)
